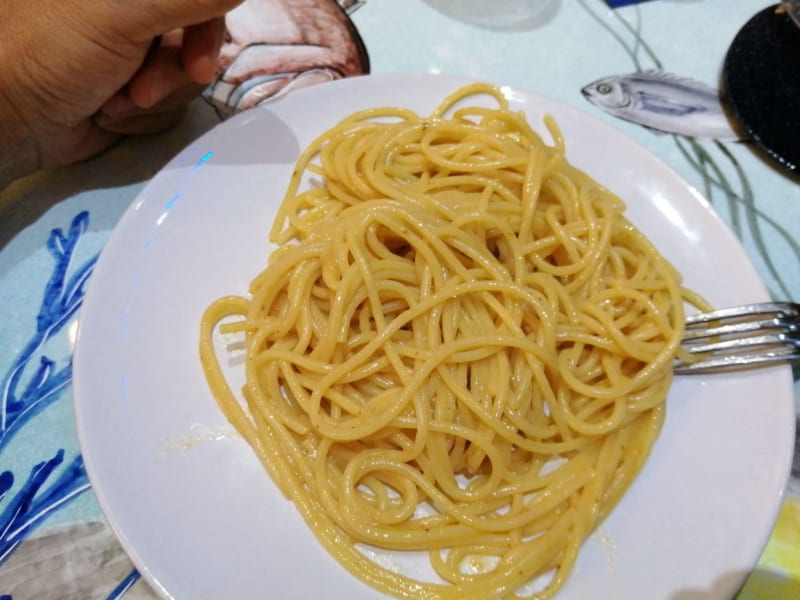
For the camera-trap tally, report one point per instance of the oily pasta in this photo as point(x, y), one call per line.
point(460, 346)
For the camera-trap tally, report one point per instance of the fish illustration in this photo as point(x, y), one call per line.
point(274, 46)
point(81, 560)
point(664, 103)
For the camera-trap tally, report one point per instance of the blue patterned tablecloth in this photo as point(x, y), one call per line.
point(53, 539)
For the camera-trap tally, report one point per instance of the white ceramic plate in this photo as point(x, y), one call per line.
point(189, 500)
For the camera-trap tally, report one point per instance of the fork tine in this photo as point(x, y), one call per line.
point(708, 330)
point(753, 342)
point(742, 336)
point(736, 361)
point(789, 310)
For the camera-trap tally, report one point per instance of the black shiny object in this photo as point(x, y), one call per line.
point(762, 84)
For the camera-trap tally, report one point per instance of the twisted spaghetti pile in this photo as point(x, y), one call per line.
point(460, 346)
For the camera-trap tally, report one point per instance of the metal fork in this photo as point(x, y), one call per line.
point(740, 337)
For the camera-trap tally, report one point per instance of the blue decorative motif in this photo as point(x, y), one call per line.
point(29, 507)
point(61, 299)
point(123, 586)
point(28, 388)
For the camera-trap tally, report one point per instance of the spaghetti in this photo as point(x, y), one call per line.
point(460, 346)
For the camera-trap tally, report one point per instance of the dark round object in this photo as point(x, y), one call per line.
point(762, 84)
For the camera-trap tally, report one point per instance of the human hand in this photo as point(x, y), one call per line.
point(75, 74)
point(176, 68)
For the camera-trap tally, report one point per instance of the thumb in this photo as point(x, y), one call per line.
point(143, 20)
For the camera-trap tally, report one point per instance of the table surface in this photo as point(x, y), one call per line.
point(53, 224)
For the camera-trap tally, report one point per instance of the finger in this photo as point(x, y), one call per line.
point(120, 105)
point(142, 124)
point(121, 108)
point(200, 52)
point(160, 76)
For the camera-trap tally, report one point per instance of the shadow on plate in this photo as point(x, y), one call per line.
point(253, 137)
